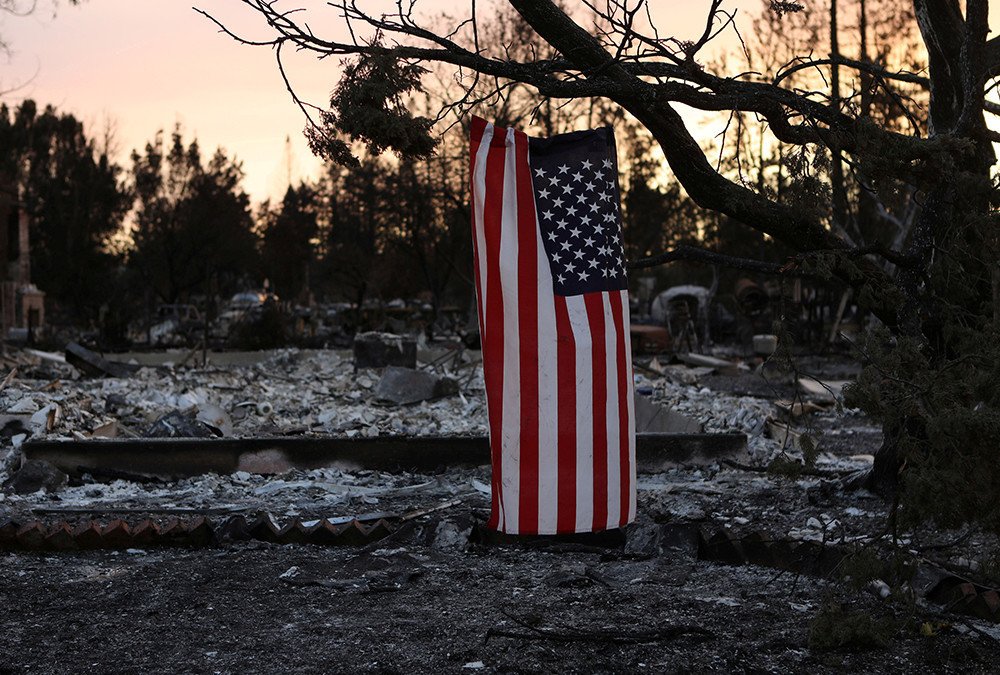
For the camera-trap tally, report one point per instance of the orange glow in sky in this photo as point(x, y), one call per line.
point(146, 65)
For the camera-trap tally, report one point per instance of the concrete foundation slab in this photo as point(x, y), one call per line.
point(179, 457)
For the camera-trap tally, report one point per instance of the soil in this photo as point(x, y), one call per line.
point(428, 610)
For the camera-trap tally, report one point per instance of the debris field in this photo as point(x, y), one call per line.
point(339, 569)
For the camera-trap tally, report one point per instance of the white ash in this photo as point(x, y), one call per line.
point(330, 491)
point(318, 393)
point(719, 412)
point(314, 393)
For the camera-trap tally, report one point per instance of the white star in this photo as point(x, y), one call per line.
point(592, 263)
point(539, 172)
point(543, 194)
point(570, 267)
point(588, 241)
point(607, 164)
point(578, 176)
point(590, 186)
point(554, 180)
point(575, 232)
point(578, 254)
point(561, 223)
point(586, 220)
point(557, 203)
point(583, 276)
point(561, 279)
point(563, 169)
point(581, 198)
point(547, 215)
point(605, 270)
point(598, 174)
point(571, 210)
point(567, 189)
point(586, 164)
point(609, 217)
point(552, 236)
point(565, 246)
point(614, 272)
point(603, 196)
point(556, 257)
point(598, 228)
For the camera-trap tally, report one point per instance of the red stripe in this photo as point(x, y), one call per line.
point(566, 419)
point(527, 280)
point(625, 468)
point(492, 337)
point(595, 316)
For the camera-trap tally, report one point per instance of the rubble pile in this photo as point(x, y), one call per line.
point(290, 393)
point(321, 393)
point(718, 412)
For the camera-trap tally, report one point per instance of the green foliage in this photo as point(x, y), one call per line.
point(76, 199)
point(289, 233)
point(786, 467)
point(867, 564)
point(360, 209)
point(370, 105)
point(936, 391)
point(193, 222)
point(834, 627)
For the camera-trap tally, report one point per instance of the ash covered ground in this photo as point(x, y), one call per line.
point(439, 594)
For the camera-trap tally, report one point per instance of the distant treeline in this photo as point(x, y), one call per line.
point(176, 225)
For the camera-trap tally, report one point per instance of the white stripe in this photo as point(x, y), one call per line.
point(548, 395)
point(511, 430)
point(611, 413)
point(577, 310)
point(479, 204)
point(630, 398)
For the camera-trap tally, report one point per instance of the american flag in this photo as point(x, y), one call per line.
point(554, 319)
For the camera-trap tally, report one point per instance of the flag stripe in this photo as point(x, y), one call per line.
point(566, 418)
point(528, 363)
point(547, 480)
point(611, 415)
point(481, 134)
point(630, 401)
point(478, 246)
point(583, 367)
point(493, 335)
point(599, 425)
point(511, 429)
point(624, 375)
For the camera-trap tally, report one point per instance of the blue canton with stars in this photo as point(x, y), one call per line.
point(575, 179)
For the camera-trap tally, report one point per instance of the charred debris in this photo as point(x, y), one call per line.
point(742, 462)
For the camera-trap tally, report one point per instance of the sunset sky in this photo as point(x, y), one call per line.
point(146, 65)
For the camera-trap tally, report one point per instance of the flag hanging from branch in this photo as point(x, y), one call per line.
point(554, 321)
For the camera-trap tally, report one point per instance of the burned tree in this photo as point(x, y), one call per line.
point(931, 364)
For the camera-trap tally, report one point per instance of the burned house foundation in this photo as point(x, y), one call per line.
point(288, 486)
